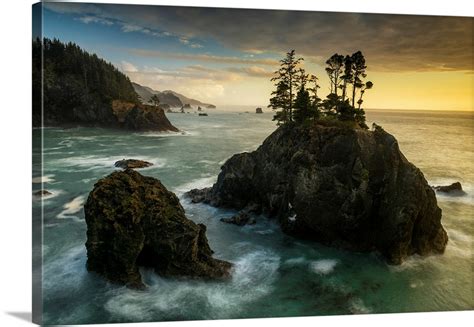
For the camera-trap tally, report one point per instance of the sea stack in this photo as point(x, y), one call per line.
point(133, 221)
point(344, 187)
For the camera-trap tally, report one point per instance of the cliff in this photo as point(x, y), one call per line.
point(134, 221)
point(72, 87)
point(348, 188)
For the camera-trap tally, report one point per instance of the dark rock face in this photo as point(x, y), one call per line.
point(133, 221)
point(347, 188)
point(454, 188)
point(259, 111)
point(132, 163)
point(139, 117)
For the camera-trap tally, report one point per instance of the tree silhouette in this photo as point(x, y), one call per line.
point(280, 100)
point(334, 71)
point(286, 82)
point(358, 72)
point(367, 86)
point(347, 77)
point(343, 72)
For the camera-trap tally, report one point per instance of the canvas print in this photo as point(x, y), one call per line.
point(210, 163)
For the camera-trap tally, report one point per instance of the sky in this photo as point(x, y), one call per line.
point(227, 56)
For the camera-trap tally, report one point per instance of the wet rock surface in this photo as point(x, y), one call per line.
point(134, 221)
point(132, 163)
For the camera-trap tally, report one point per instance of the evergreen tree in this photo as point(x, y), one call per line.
point(280, 102)
point(155, 100)
point(334, 71)
point(286, 83)
point(68, 81)
point(343, 72)
point(347, 77)
point(358, 72)
point(367, 86)
point(315, 99)
point(302, 110)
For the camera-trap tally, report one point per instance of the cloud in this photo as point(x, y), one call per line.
point(94, 19)
point(128, 67)
point(204, 57)
point(253, 71)
point(131, 28)
point(390, 42)
point(195, 81)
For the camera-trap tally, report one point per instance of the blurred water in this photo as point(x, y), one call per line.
point(274, 275)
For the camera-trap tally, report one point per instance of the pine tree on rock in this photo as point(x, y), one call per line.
point(286, 82)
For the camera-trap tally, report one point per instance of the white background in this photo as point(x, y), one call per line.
point(15, 163)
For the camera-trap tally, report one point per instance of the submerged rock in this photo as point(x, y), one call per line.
point(348, 188)
point(133, 221)
point(42, 193)
point(132, 163)
point(240, 219)
point(454, 188)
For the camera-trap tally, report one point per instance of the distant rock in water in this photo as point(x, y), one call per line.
point(454, 188)
point(42, 193)
point(259, 111)
point(132, 163)
point(140, 117)
point(211, 106)
point(348, 188)
point(202, 114)
point(133, 221)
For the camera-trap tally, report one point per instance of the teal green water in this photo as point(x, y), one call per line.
point(274, 275)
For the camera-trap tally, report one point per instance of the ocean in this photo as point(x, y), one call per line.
point(274, 274)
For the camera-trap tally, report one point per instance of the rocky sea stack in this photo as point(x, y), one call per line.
point(344, 187)
point(133, 221)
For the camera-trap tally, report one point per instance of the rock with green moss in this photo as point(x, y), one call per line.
point(345, 187)
point(134, 221)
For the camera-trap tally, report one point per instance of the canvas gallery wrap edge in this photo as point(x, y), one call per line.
point(210, 163)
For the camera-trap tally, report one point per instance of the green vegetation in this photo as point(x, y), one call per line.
point(347, 88)
point(154, 100)
point(76, 85)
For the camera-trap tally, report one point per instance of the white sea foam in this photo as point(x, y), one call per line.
point(456, 235)
point(358, 307)
point(72, 207)
point(66, 271)
point(295, 261)
point(264, 232)
point(197, 183)
point(43, 179)
point(324, 266)
point(168, 134)
point(252, 278)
